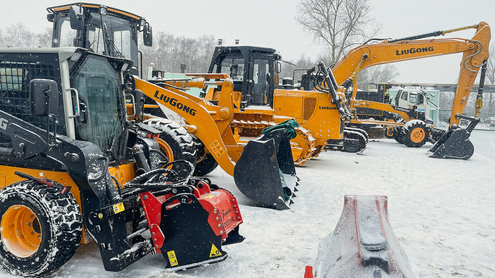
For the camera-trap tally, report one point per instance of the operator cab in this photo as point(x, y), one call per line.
point(254, 71)
point(101, 29)
point(404, 98)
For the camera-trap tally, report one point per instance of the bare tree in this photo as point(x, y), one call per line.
point(302, 63)
point(18, 35)
point(384, 73)
point(339, 24)
point(169, 52)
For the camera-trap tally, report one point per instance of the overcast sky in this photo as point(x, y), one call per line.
point(271, 23)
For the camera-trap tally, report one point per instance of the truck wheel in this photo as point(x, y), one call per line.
point(40, 228)
point(398, 135)
point(175, 142)
point(415, 134)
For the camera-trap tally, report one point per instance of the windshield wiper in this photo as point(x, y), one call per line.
point(110, 46)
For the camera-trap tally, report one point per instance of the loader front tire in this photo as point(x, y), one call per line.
point(40, 228)
point(416, 134)
point(205, 165)
point(175, 143)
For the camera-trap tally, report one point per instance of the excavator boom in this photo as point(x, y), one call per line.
point(475, 53)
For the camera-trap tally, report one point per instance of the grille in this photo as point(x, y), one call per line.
point(16, 71)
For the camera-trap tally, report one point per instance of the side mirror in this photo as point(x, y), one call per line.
point(147, 35)
point(278, 67)
point(50, 17)
point(76, 16)
point(44, 97)
point(138, 94)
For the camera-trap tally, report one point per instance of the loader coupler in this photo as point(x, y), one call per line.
point(265, 172)
point(454, 144)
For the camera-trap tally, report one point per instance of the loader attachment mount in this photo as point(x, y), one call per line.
point(272, 179)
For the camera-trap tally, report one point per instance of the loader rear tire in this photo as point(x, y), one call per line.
point(40, 228)
point(415, 134)
point(175, 143)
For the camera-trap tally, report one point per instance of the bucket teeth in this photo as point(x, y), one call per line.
point(291, 202)
point(295, 189)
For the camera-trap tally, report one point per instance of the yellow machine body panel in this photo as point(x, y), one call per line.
point(313, 111)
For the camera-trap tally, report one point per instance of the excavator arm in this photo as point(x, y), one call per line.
point(475, 52)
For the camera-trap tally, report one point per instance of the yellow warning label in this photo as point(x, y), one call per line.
point(214, 251)
point(118, 208)
point(208, 196)
point(172, 258)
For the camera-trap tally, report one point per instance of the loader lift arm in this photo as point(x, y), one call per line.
point(210, 123)
point(262, 169)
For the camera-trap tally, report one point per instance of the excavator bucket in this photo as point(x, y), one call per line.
point(454, 144)
point(265, 172)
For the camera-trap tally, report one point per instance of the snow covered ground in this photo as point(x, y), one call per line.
point(442, 211)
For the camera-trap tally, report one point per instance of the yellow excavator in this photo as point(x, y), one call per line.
point(262, 168)
point(455, 142)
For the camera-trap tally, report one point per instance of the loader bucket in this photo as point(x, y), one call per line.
point(454, 144)
point(265, 172)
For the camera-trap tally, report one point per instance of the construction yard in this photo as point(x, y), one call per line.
point(441, 211)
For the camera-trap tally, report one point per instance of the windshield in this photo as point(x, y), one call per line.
point(101, 103)
point(415, 98)
point(107, 35)
point(234, 68)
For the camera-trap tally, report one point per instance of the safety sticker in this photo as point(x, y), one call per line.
point(211, 195)
point(118, 208)
point(172, 258)
point(214, 251)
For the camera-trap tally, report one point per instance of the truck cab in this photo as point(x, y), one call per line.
point(410, 98)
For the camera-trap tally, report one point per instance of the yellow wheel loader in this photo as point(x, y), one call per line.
point(74, 169)
point(455, 142)
point(262, 168)
point(259, 103)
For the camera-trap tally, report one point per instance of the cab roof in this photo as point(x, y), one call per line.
point(116, 11)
